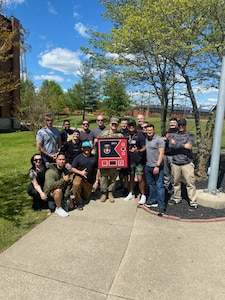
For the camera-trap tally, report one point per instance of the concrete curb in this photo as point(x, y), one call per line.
point(174, 218)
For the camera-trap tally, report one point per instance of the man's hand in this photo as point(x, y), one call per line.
point(66, 177)
point(84, 173)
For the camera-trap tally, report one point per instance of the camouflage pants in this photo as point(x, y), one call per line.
point(108, 180)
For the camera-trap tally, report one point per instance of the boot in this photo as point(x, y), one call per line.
point(111, 197)
point(103, 197)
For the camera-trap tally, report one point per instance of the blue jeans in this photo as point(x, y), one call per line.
point(156, 186)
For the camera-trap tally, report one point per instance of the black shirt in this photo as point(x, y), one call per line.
point(82, 162)
point(71, 150)
point(136, 139)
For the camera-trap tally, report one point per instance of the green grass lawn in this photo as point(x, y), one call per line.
point(16, 215)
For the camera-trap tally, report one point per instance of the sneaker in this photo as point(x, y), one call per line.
point(173, 202)
point(193, 207)
point(129, 197)
point(61, 212)
point(161, 212)
point(80, 207)
point(151, 204)
point(142, 199)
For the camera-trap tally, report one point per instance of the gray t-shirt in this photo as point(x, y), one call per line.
point(152, 152)
point(49, 138)
point(96, 131)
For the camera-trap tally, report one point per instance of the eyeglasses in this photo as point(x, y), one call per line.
point(114, 124)
point(37, 159)
point(144, 127)
point(100, 120)
point(85, 124)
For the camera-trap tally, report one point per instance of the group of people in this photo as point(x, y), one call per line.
point(65, 171)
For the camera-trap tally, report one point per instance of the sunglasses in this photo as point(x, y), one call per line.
point(144, 127)
point(37, 159)
point(100, 120)
point(85, 124)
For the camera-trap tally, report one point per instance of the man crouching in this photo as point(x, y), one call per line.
point(57, 183)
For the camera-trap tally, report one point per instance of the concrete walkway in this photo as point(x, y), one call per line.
point(115, 251)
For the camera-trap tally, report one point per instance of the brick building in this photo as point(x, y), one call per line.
point(9, 101)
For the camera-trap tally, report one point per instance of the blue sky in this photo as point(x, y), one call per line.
point(56, 31)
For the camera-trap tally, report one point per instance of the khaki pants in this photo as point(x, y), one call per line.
point(81, 189)
point(187, 171)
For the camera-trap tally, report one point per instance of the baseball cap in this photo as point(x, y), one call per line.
point(114, 120)
point(182, 122)
point(131, 122)
point(86, 144)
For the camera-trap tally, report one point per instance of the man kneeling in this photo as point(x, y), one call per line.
point(58, 184)
point(86, 177)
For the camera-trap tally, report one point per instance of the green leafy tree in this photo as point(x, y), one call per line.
point(171, 45)
point(75, 96)
point(84, 95)
point(116, 100)
point(33, 106)
point(53, 95)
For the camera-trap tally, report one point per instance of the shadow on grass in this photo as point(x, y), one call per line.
point(14, 197)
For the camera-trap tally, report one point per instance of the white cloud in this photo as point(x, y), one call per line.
point(49, 77)
point(209, 103)
point(51, 9)
point(10, 2)
point(62, 60)
point(75, 13)
point(111, 55)
point(81, 29)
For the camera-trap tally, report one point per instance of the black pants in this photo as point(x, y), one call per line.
point(38, 203)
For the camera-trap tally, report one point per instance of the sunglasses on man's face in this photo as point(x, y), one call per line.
point(85, 124)
point(100, 120)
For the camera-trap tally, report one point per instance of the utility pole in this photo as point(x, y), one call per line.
point(217, 137)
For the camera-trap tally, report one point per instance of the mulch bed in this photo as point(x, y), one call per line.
point(181, 210)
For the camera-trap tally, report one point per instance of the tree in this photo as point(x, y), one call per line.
point(168, 44)
point(84, 95)
point(75, 96)
point(33, 106)
point(53, 95)
point(116, 101)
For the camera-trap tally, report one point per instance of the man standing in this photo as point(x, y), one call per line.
point(123, 173)
point(84, 167)
point(155, 147)
point(85, 133)
point(168, 181)
point(66, 132)
point(48, 140)
point(97, 130)
point(136, 143)
point(141, 121)
point(123, 124)
point(182, 164)
point(57, 183)
point(108, 176)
